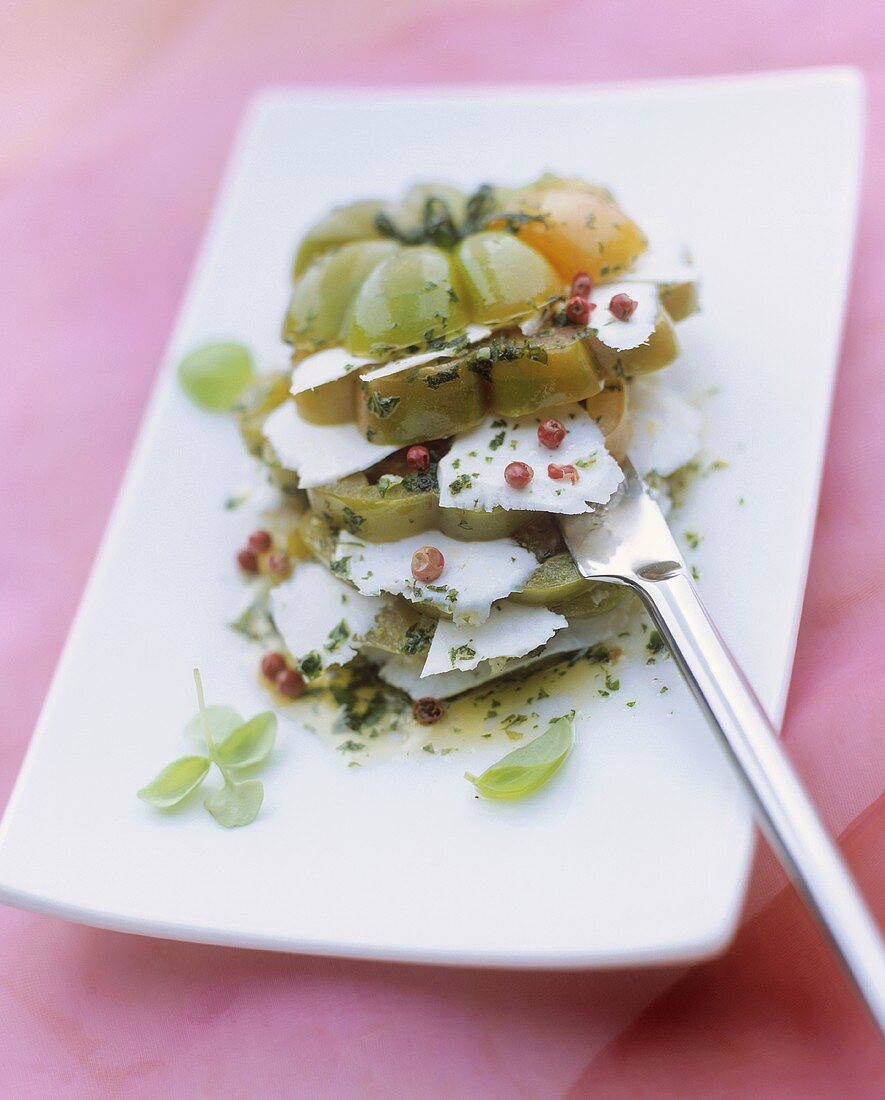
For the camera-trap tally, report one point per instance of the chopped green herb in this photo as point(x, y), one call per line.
point(464, 652)
point(353, 521)
point(380, 406)
point(441, 377)
point(311, 665)
point(463, 481)
point(337, 636)
point(417, 639)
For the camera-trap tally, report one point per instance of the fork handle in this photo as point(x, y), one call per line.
point(784, 810)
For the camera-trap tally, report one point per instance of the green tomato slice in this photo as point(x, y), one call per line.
point(409, 299)
point(568, 373)
point(253, 405)
point(400, 628)
point(395, 507)
point(660, 350)
point(322, 295)
point(503, 278)
point(341, 226)
point(508, 374)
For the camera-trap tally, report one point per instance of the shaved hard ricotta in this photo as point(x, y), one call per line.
point(666, 429)
point(666, 260)
point(319, 453)
point(474, 334)
point(579, 634)
point(623, 335)
point(474, 576)
point(315, 613)
point(324, 367)
point(511, 630)
point(471, 475)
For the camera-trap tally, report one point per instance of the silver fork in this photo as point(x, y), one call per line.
point(628, 542)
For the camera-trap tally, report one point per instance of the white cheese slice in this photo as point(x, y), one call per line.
point(324, 367)
point(474, 333)
point(623, 335)
point(315, 612)
point(319, 453)
point(665, 427)
point(666, 260)
point(471, 475)
point(533, 323)
point(511, 630)
point(475, 574)
point(580, 633)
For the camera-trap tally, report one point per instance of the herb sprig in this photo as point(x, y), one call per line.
point(529, 767)
point(232, 745)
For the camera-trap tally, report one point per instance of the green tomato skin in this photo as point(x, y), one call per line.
point(341, 226)
point(401, 628)
point(332, 403)
point(399, 512)
point(254, 403)
point(322, 295)
point(410, 211)
point(432, 402)
point(555, 580)
point(679, 299)
point(596, 599)
point(470, 526)
point(503, 278)
point(215, 375)
point(395, 515)
point(662, 348)
point(523, 386)
point(409, 298)
point(557, 584)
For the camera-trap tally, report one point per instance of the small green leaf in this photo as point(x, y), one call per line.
point(175, 782)
point(529, 767)
point(236, 803)
point(222, 722)
point(250, 743)
point(215, 375)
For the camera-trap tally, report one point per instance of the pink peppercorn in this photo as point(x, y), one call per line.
point(427, 564)
point(518, 474)
point(418, 457)
point(272, 664)
point(578, 310)
point(551, 434)
point(428, 711)
point(623, 306)
point(582, 285)
point(289, 683)
point(247, 560)
point(562, 473)
point(260, 541)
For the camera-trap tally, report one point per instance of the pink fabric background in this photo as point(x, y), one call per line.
point(117, 119)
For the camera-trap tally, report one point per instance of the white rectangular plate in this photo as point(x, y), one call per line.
point(638, 852)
